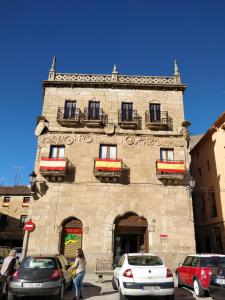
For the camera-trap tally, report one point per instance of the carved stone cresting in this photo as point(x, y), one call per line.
point(120, 78)
point(129, 140)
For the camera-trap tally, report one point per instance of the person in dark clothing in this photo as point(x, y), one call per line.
point(8, 268)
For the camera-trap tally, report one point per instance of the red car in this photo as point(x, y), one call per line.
point(196, 271)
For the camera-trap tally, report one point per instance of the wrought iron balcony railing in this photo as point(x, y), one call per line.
point(69, 118)
point(158, 120)
point(129, 118)
point(54, 167)
point(94, 118)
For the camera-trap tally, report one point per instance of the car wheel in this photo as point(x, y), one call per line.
point(114, 284)
point(199, 292)
point(61, 293)
point(121, 296)
point(179, 282)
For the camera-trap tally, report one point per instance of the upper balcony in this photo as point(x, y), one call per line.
point(170, 170)
point(159, 121)
point(54, 169)
point(70, 118)
point(110, 170)
point(129, 119)
point(95, 118)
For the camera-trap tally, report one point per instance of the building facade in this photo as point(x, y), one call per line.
point(112, 167)
point(208, 161)
point(14, 204)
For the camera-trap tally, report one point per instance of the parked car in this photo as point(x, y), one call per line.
point(142, 274)
point(196, 271)
point(217, 284)
point(40, 276)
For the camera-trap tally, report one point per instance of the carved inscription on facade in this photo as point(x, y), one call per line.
point(129, 140)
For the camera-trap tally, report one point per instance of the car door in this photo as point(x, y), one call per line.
point(184, 270)
point(195, 264)
point(64, 268)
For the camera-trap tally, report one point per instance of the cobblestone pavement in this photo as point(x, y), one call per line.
point(103, 291)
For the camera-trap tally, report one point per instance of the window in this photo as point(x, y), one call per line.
point(3, 221)
point(26, 201)
point(208, 165)
point(166, 154)
point(6, 202)
point(127, 111)
point(22, 220)
point(69, 109)
point(218, 240)
point(57, 151)
point(188, 261)
point(108, 151)
point(199, 172)
point(195, 262)
point(154, 112)
point(93, 110)
point(212, 200)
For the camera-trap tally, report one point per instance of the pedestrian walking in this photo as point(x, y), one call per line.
point(8, 268)
point(80, 267)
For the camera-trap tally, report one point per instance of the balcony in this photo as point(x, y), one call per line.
point(54, 169)
point(160, 121)
point(108, 170)
point(129, 119)
point(170, 171)
point(72, 119)
point(94, 118)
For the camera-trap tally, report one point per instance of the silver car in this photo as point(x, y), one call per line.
point(40, 276)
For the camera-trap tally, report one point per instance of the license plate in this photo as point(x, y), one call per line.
point(151, 288)
point(220, 281)
point(32, 284)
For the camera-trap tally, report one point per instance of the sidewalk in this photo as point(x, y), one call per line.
point(96, 290)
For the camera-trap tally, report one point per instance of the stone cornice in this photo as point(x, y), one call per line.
point(120, 81)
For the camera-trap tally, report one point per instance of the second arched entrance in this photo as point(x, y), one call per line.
point(130, 234)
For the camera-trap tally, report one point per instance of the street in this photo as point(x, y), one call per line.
point(103, 291)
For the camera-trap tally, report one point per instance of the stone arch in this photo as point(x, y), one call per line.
point(71, 236)
point(130, 234)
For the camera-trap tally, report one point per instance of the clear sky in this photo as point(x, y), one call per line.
point(89, 36)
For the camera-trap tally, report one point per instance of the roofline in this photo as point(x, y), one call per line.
point(214, 127)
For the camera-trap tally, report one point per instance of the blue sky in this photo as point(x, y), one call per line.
point(140, 36)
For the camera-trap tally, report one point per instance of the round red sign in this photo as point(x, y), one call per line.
point(29, 226)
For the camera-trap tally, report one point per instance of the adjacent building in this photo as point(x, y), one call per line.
point(208, 163)
point(112, 167)
point(14, 204)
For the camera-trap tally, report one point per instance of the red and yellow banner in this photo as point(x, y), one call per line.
point(56, 164)
point(170, 166)
point(108, 164)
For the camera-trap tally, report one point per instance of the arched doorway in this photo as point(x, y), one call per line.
point(71, 238)
point(130, 234)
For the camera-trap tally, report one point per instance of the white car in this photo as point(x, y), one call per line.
point(142, 274)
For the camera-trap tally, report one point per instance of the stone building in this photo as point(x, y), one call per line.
point(14, 204)
point(208, 162)
point(112, 167)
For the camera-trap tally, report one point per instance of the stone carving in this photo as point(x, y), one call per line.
point(121, 78)
point(106, 139)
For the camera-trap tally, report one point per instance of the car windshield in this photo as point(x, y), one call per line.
point(144, 260)
point(213, 261)
point(38, 262)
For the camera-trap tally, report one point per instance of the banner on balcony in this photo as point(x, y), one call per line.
point(170, 166)
point(108, 164)
point(56, 164)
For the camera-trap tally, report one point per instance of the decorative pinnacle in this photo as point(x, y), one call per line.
point(53, 64)
point(114, 70)
point(176, 70)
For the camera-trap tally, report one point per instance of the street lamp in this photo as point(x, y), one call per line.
point(32, 182)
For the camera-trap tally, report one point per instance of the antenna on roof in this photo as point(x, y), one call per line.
point(17, 175)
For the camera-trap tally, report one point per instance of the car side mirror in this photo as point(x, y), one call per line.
point(114, 265)
point(180, 265)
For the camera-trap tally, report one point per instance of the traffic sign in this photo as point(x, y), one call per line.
point(29, 226)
